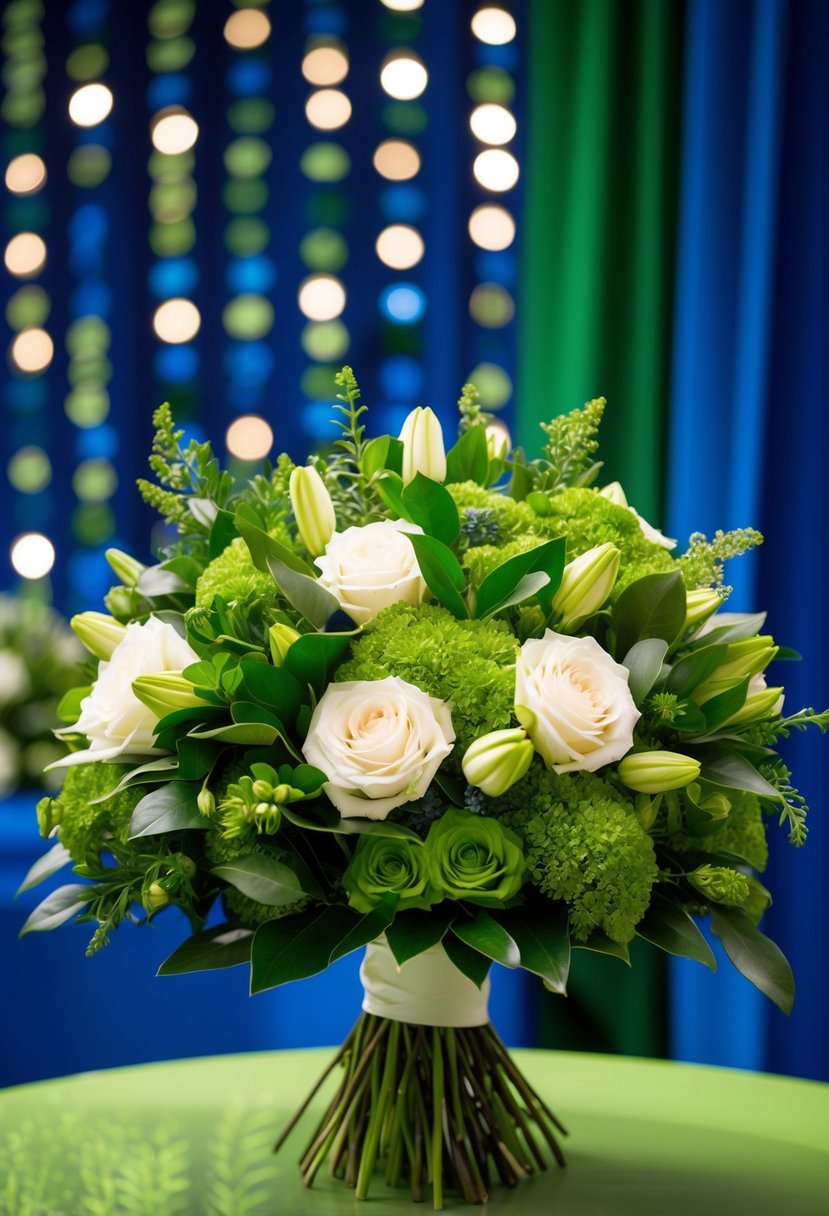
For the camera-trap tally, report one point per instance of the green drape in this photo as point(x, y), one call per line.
point(595, 319)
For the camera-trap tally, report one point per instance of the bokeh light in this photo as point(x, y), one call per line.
point(499, 439)
point(29, 470)
point(496, 169)
point(493, 124)
point(491, 306)
point(494, 26)
point(176, 320)
point(26, 174)
point(321, 297)
point(174, 130)
point(491, 227)
point(90, 105)
point(493, 384)
point(328, 109)
point(325, 65)
point(25, 255)
point(400, 246)
point(88, 165)
point(248, 317)
point(247, 28)
point(397, 160)
point(404, 76)
point(249, 437)
point(32, 555)
point(403, 6)
point(32, 351)
point(325, 340)
point(325, 162)
point(404, 303)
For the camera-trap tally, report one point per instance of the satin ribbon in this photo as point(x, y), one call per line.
point(428, 990)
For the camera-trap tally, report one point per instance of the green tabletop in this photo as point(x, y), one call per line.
point(195, 1136)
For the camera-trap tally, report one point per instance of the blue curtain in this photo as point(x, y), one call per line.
point(749, 442)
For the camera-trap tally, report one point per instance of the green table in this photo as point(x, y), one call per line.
point(194, 1137)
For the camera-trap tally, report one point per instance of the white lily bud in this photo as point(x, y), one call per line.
point(423, 450)
point(699, 605)
point(166, 692)
point(281, 638)
point(496, 761)
point(99, 633)
point(586, 584)
point(127, 569)
point(749, 657)
point(657, 772)
point(761, 702)
point(313, 509)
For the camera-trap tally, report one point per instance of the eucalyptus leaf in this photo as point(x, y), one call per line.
point(171, 808)
point(57, 908)
point(486, 935)
point(305, 592)
point(263, 547)
point(739, 628)
point(754, 955)
point(212, 950)
point(735, 772)
point(45, 867)
point(667, 925)
point(644, 663)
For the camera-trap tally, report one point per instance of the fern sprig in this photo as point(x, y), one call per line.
point(351, 443)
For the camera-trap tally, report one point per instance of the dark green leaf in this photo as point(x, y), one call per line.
point(754, 955)
point(47, 865)
point(652, 607)
point(357, 826)
point(499, 584)
point(521, 481)
point(736, 773)
point(367, 927)
point(689, 672)
point(223, 946)
point(264, 547)
point(542, 935)
point(486, 935)
point(322, 817)
point(417, 930)
point(384, 452)
point(171, 808)
point(690, 719)
point(304, 777)
point(600, 943)
point(294, 947)
point(667, 925)
point(264, 879)
point(431, 506)
point(473, 965)
point(644, 662)
point(274, 687)
point(304, 591)
point(442, 572)
point(57, 908)
point(314, 657)
point(222, 532)
point(390, 490)
point(719, 709)
point(468, 459)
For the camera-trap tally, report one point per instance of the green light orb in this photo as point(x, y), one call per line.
point(491, 306)
point(325, 340)
point(170, 55)
point(323, 249)
point(325, 162)
point(244, 237)
point(491, 84)
point(170, 240)
point(87, 62)
point(493, 384)
point(318, 382)
point(248, 317)
point(88, 166)
point(251, 116)
point(87, 405)
point(30, 470)
point(29, 306)
point(247, 156)
point(245, 197)
point(93, 523)
point(94, 480)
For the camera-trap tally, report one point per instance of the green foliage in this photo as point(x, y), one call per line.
point(571, 444)
point(742, 832)
point(471, 411)
point(466, 663)
point(233, 576)
point(240, 1175)
point(702, 564)
point(794, 808)
point(89, 826)
point(720, 884)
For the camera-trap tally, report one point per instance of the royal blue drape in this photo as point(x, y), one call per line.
point(749, 444)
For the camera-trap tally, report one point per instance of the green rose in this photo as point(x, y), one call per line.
point(475, 858)
point(384, 865)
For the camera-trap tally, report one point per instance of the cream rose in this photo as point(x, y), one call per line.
point(379, 742)
point(112, 717)
point(573, 700)
point(368, 568)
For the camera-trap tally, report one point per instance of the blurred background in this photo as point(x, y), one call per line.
point(218, 204)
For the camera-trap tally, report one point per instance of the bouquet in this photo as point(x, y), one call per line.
point(38, 664)
point(456, 707)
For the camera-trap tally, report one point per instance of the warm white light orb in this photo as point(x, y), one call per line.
point(174, 130)
point(328, 109)
point(90, 104)
point(491, 227)
point(247, 28)
point(493, 25)
point(496, 169)
point(400, 246)
point(26, 174)
point(25, 255)
point(321, 297)
point(249, 437)
point(403, 6)
point(404, 76)
point(176, 321)
point(32, 351)
point(397, 160)
point(32, 555)
point(325, 65)
point(493, 124)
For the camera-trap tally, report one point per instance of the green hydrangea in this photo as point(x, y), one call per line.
point(233, 576)
point(743, 833)
point(582, 844)
point(468, 664)
point(482, 559)
point(88, 826)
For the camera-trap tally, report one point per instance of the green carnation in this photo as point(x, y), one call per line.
point(384, 865)
point(88, 826)
point(233, 576)
point(475, 858)
point(720, 884)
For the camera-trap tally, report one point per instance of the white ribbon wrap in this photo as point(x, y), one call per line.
point(428, 990)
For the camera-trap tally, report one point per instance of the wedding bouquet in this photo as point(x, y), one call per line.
point(455, 707)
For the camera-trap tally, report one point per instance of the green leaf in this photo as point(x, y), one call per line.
point(736, 773)
point(69, 706)
point(473, 965)
point(496, 589)
point(719, 709)
point(314, 657)
point(356, 826)
point(431, 506)
point(652, 607)
point(47, 865)
point(367, 927)
point(264, 547)
point(322, 817)
point(305, 592)
point(667, 925)
point(274, 687)
point(689, 672)
point(303, 777)
point(222, 532)
point(264, 879)
point(468, 459)
point(155, 582)
point(222, 946)
point(486, 935)
point(57, 908)
point(442, 572)
point(384, 452)
point(644, 662)
point(417, 930)
point(542, 934)
point(172, 808)
point(600, 943)
point(754, 955)
point(691, 719)
point(242, 734)
point(741, 627)
point(390, 491)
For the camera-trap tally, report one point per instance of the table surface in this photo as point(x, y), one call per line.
point(194, 1136)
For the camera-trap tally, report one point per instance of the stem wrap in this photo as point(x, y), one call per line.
point(428, 990)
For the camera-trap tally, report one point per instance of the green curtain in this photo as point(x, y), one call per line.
point(595, 319)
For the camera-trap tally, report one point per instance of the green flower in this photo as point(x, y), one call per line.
point(475, 858)
point(384, 865)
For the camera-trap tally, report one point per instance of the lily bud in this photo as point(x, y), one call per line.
point(313, 509)
point(156, 897)
point(99, 633)
point(281, 638)
point(496, 761)
point(127, 568)
point(746, 658)
point(423, 450)
point(206, 802)
point(761, 702)
point(586, 584)
point(657, 772)
point(699, 605)
point(166, 692)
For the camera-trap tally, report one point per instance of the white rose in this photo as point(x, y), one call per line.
point(368, 568)
point(112, 717)
point(379, 742)
point(574, 702)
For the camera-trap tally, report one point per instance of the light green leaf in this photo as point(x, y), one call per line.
point(644, 662)
point(305, 592)
point(442, 572)
point(45, 867)
point(263, 879)
point(171, 808)
point(57, 908)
